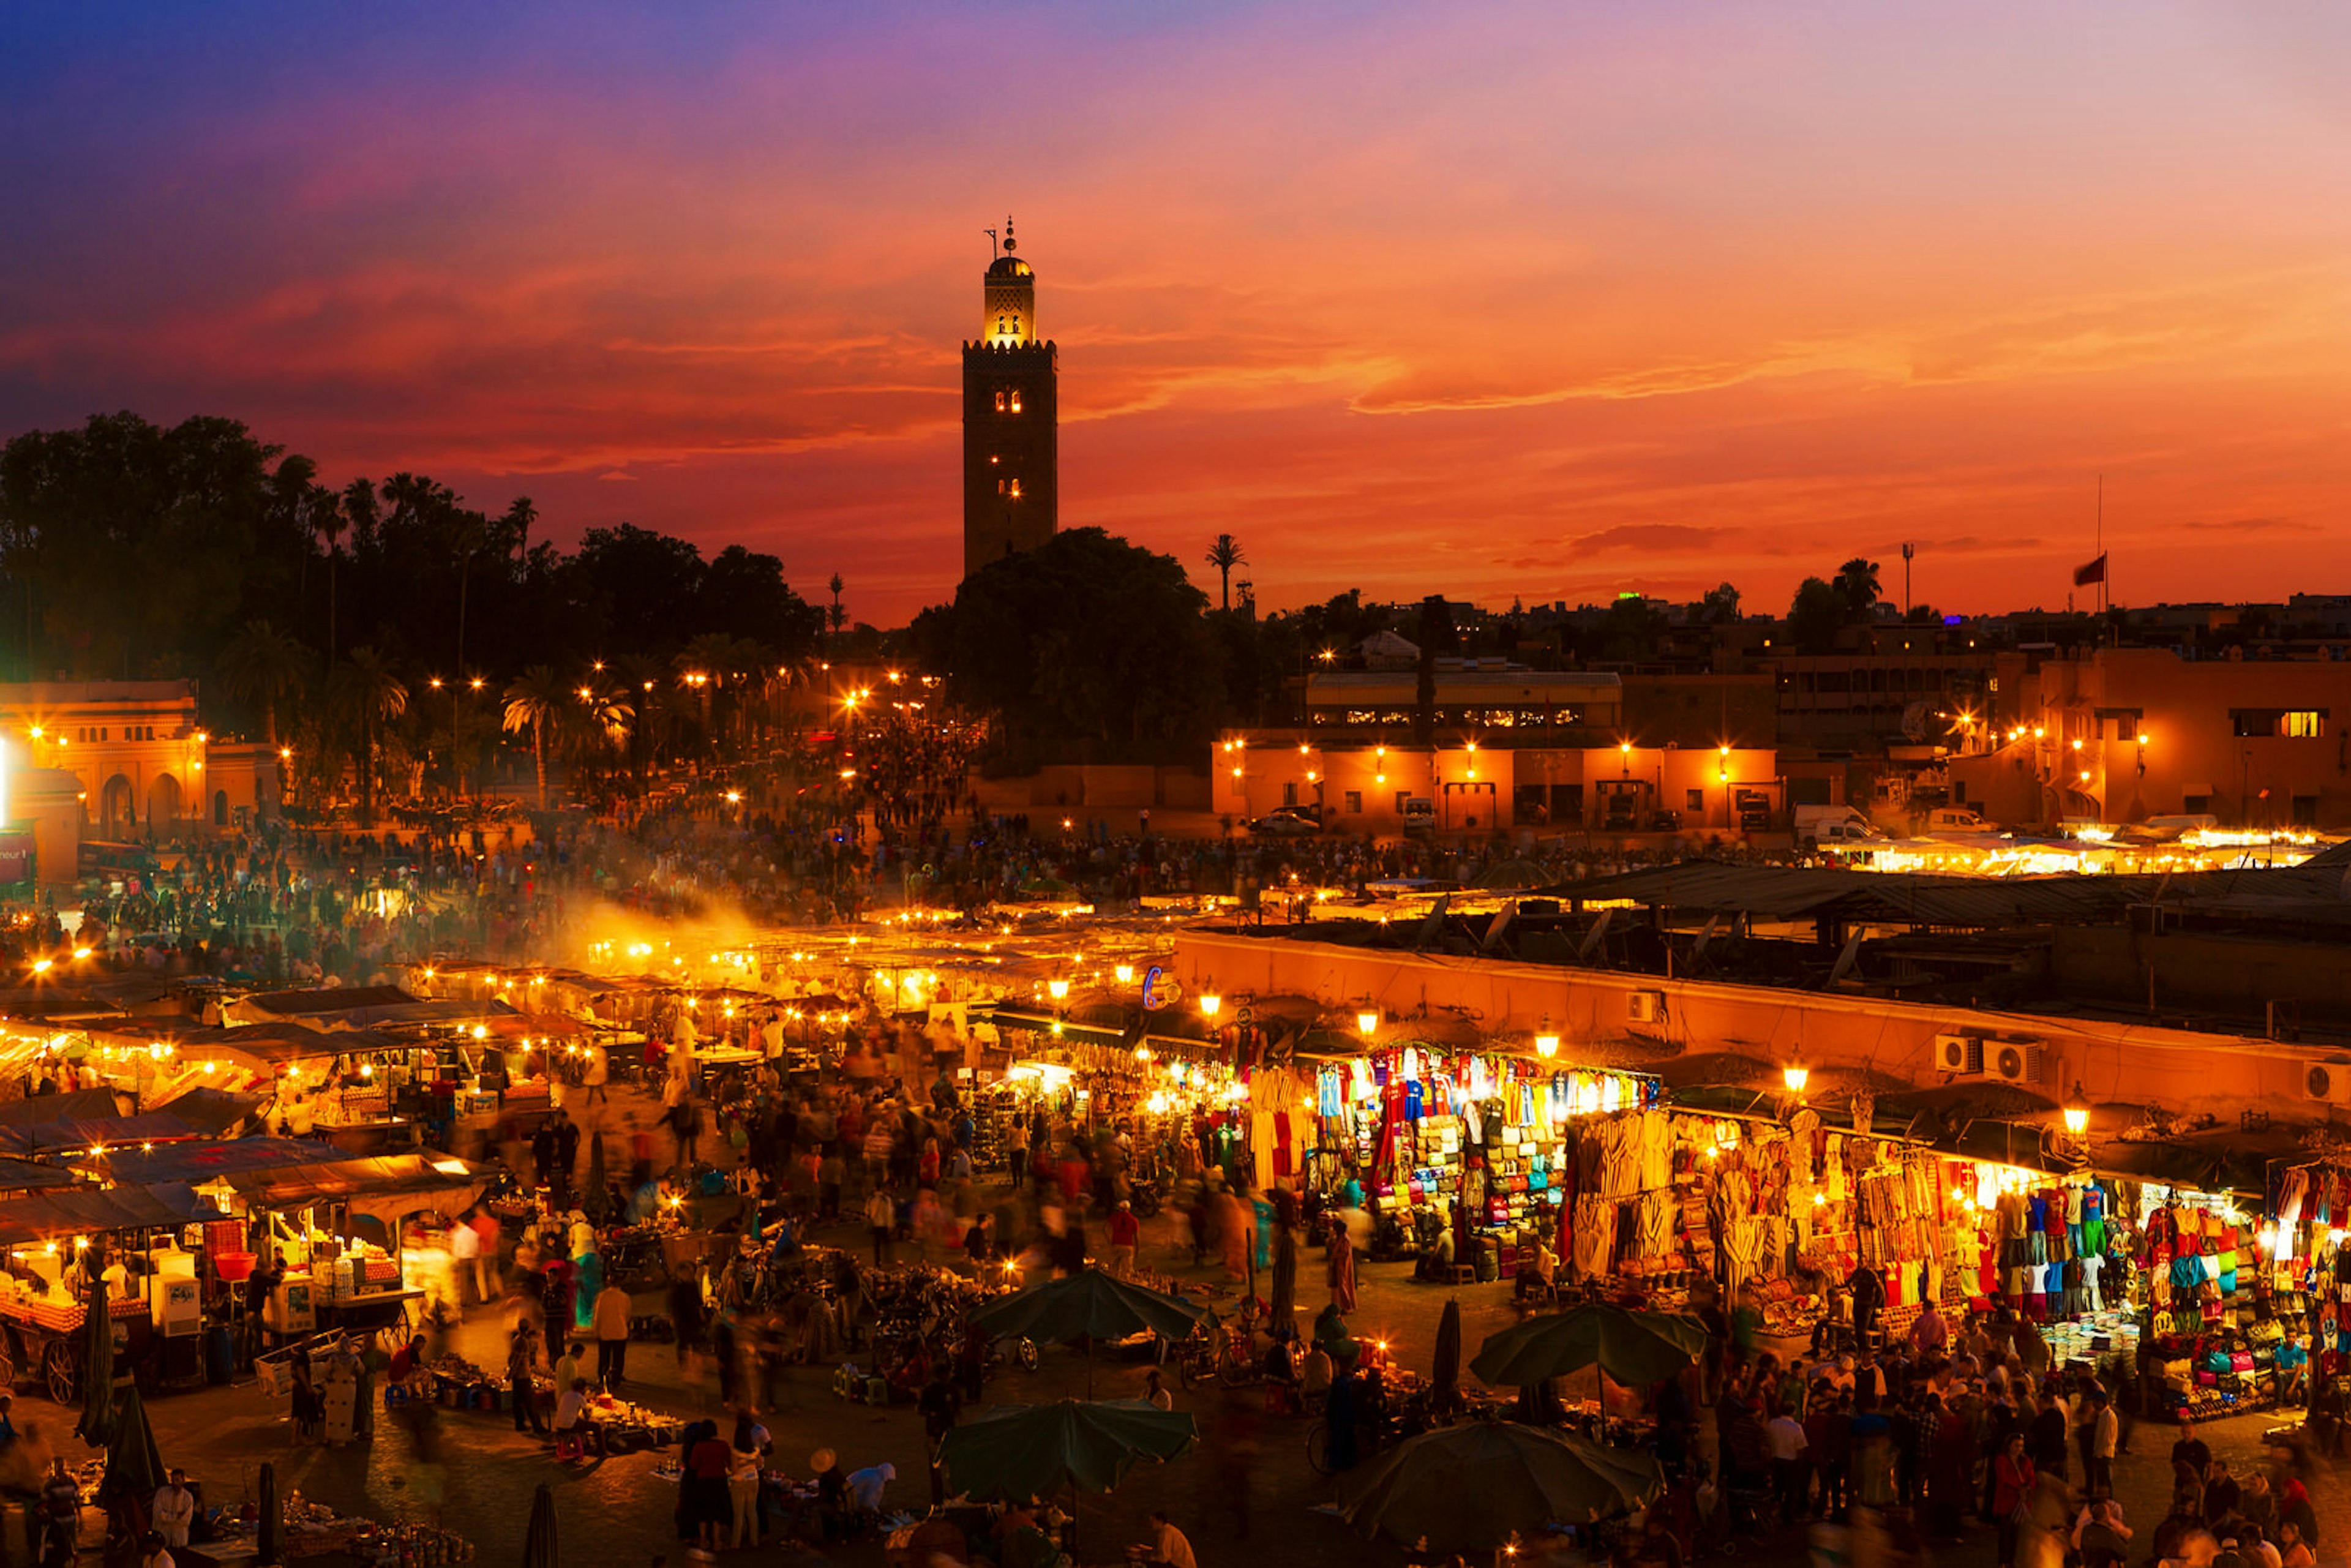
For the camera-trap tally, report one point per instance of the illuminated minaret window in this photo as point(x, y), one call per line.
point(1010, 489)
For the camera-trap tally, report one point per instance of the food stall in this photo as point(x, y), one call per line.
point(334, 1216)
point(151, 1236)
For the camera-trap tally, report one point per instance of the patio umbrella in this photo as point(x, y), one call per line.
point(1445, 1370)
point(1088, 1305)
point(97, 1423)
point(597, 1201)
point(538, 1545)
point(133, 1467)
point(1472, 1488)
point(1634, 1348)
point(1018, 1451)
point(270, 1538)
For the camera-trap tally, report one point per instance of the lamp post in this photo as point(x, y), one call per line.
point(1546, 1040)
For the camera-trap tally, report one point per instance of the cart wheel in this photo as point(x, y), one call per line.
point(1317, 1448)
point(1183, 1372)
point(58, 1371)
point(1024, 1351)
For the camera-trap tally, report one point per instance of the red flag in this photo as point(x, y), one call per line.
point(2095, 572)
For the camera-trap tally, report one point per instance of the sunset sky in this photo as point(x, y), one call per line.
point(1545, 301)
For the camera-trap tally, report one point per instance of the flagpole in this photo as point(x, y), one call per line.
point(2099, 553)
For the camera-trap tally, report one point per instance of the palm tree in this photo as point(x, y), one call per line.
point(364, 692)
point(1225, 555)
point(266, 666)
point(838, 617)
point(535, 699)
point(358, 503)
point(1857, 580)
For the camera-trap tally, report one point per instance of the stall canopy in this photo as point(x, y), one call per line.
point(88, 1210)
point(82, 1104)
point(20, 1176)
point(347, 1008)
point(152, 1127)
point(386, 1186)
point(196, 1163)
point(210, 1113)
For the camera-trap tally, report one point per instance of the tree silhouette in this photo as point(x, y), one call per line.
point(264, 666)
point(364, 691)
point(1225, 555)
point(535, 699)
point(1857, 581)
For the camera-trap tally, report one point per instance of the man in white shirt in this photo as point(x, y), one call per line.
point(1789, 1476)
point(2106, 1432)
point(175, 1510)
point(1168, 1544)
point(572, 1416)
point(464, 1254)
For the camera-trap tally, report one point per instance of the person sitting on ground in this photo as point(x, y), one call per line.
point(1168, 1544)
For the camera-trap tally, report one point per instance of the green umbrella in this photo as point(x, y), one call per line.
point(1444, 1366)
point(97, 1423)
point(539, 1545)
point(270, 1538)
point(1636, 1349)
point(1019, 1451)
point(1088, 1305)
point(596, 1203)
point(133, 1467)
point(1475, 1488)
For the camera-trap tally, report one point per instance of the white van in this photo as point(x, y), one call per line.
point(1827, 825)
point(1954, 820)
point(1419, 815)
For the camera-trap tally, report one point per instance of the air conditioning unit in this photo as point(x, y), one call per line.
point(2328, 1081)
point(1962, 1054)
point(2013, 1060)
point(1644, 1007)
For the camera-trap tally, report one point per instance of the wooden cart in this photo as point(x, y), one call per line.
point(41, 1343)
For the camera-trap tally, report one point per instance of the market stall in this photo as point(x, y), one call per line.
point(151, 1236)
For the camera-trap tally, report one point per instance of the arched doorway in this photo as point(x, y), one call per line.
point(220, 808)
point(164, 804)
point(118, 811)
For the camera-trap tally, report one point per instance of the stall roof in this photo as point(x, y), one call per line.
point(364, 1183)
point(83, 1133)
point(209, 1113)
point(276, 1044)
point(327, 1000)
point(83, 1210)
point(22, 1176)
point(195, 1163)
point(82, 1104)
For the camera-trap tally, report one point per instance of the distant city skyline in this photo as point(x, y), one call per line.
point(1530, 302)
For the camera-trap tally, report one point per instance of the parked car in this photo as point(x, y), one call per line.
point(1283, 824)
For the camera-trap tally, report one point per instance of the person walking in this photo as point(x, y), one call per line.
point(1126, 1236)
point(611, 1312)
point(2012, 1476)
point(466, 1258)
point(882, 1220)
point(2106, 1431)
point(522, 1356)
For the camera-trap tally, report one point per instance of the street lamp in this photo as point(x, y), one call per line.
point(2077, 1114)
point(1796, 1075)
point(1059, 989)
point(2142, 754)
point(1209, 1004)
point(1125, 974)
point(1546, 1042)
point(1367, 1023)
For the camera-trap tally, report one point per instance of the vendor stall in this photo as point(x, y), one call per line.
point(150, 1237)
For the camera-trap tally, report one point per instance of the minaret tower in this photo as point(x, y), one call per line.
point(1011, 493)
